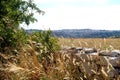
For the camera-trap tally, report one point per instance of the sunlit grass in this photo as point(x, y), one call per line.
point(64, 66)
point(99, 43)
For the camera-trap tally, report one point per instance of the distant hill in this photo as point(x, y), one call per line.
point(29, 31)
point(84, 33)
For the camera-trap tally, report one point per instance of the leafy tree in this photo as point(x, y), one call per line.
point(12, 14)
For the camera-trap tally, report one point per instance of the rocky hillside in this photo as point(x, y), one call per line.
point(71, 63)
point(109, 58)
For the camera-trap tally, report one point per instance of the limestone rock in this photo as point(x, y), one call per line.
point(90, 50)
point(113, 53)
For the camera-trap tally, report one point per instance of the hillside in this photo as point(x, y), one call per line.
point(83, 33)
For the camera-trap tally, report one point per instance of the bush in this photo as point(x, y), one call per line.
point(48, 43)
point(12, 38)
point(12, 14)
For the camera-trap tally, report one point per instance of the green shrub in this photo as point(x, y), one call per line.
point(12, 38)
point(12, 14)
point(48, 43)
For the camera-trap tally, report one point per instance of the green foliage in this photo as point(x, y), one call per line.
point(12, 14)
point(7, 37)
point(48, 43)
point(12, 38)
point(21, 37)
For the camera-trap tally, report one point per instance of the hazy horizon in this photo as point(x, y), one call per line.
point(71, 29)
point(78, 14)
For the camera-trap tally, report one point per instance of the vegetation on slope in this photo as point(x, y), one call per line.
point(35, 56)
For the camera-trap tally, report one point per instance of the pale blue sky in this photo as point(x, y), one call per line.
point(78, 14)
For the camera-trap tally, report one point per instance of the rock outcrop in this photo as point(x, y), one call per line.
point(108, 58)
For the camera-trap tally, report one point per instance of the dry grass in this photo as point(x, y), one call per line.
point(99, 43)
point(26, 67)
point(62, 66)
